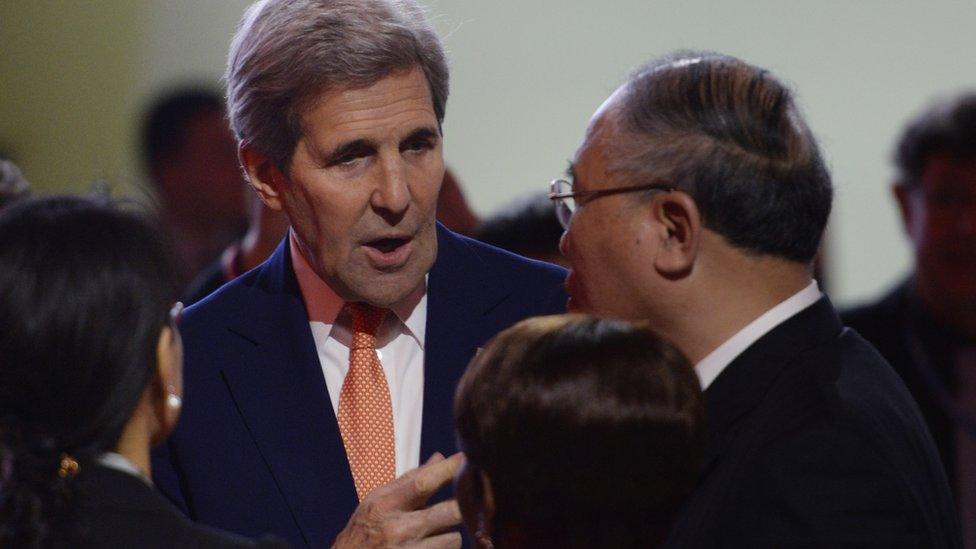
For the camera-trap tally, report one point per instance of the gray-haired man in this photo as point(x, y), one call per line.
point(330, 370)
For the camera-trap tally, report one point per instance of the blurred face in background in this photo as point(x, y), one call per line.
point(207, 178)
point(361, 190)
point(939, 212)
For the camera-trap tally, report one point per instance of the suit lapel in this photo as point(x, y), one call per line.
point(280, 391)
point(461, 291)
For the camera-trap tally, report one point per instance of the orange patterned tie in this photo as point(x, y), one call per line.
point(365, 411)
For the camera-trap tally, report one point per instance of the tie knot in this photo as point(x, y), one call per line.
point(365, 317)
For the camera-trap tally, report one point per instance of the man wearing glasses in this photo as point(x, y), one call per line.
point(698, 200)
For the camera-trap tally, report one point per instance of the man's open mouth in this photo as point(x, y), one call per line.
point(389, 253)
point(387, 245)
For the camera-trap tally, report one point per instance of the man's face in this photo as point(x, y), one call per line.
point(609, 272)
point(206, 177)
point(940, 218)
point(362, 188)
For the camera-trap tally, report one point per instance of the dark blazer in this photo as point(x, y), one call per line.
point(812, 440)
point(258, 449)
point(922, 351)
point(116, 509)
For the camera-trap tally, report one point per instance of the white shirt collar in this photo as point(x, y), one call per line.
point(712, 365)
point(119, 462)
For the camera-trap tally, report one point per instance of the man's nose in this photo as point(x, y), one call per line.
point(392, 193)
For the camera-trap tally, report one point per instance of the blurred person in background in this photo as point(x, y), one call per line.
point(453, 210)
point(13, 185)
point(926, 326)
point(265, 230)
point(90, 377)
point(578, 433)
point(528, 227)
point(191, 158)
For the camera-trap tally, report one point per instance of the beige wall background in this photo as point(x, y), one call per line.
point(526, 76)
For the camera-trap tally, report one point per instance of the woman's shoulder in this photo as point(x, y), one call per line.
point(118, 509)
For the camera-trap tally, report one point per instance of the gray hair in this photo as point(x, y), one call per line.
point(13, 186)
point(730, 135)
point(288, 52)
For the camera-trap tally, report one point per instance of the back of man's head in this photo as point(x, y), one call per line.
point(730, 135)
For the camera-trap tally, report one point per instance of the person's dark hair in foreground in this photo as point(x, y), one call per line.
point(578, 432)
point(90, 364)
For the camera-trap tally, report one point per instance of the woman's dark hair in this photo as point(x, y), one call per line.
point(590, 431)
point(85, 288)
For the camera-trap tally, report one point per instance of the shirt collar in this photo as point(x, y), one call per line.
point(712, 365)
point(324, 305)
point(119, 462)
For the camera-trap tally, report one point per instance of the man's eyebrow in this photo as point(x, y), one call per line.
point(428, 133)
point(342, 149)
point(571, 171)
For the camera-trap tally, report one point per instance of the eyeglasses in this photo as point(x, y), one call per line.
point(567, 201)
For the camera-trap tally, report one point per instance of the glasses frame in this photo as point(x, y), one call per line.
point(565, 213)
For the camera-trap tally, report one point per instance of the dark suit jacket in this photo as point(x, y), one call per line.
point(257, 448)
point(116, 509)
point(901, 330)
point(812, 440)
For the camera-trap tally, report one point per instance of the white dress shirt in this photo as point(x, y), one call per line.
point(712, 365)
point(399, 344)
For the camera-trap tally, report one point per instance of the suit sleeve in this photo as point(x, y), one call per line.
point(167, 478)
point(823, 487)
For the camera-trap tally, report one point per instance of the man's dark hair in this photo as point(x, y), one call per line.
point(590, 431)
point(528, 226)
point(730, 135)
point(946, 126)
point(165, 123)
point(85, 291)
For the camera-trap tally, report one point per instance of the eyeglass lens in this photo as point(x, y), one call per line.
point(564, 206)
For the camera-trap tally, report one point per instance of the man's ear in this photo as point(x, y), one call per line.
point(263, 175)
point(903, 195)
point(678, 227)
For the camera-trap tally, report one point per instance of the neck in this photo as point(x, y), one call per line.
point(135, 442)
point(266, 230)
point(727, 295)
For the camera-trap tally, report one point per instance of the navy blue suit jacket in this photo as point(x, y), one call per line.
point(257, 449)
